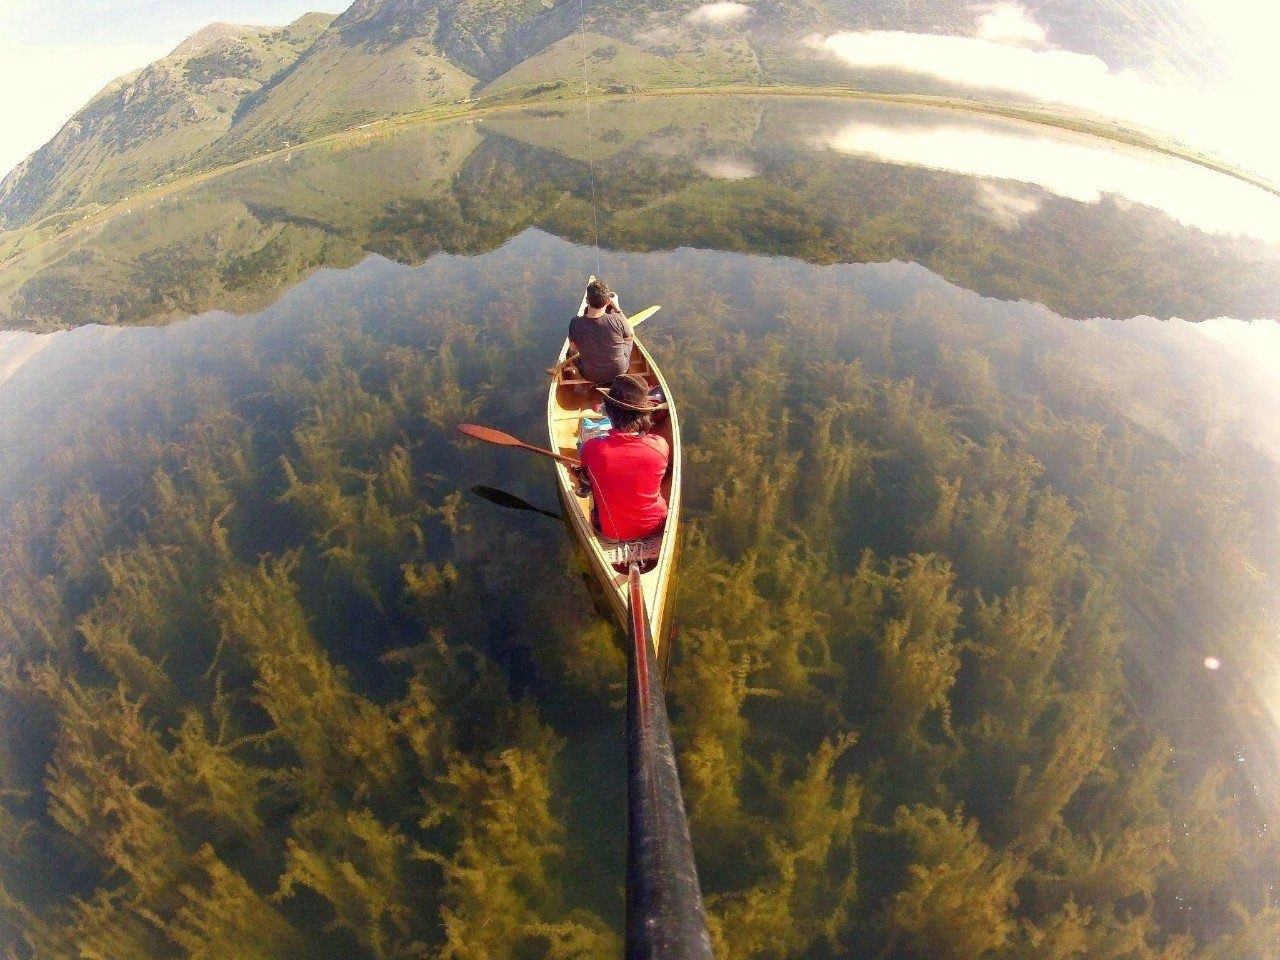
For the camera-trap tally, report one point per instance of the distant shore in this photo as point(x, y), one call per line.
point(15, 245)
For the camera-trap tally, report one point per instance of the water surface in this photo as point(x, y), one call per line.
point(977, 605)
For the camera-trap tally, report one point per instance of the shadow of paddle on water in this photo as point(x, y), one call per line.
point(510, 501)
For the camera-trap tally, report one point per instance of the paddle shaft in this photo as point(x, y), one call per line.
point(567, 461)
point(665, 916)
point(500, 439)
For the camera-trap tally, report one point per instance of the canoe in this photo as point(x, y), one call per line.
point(568, 400)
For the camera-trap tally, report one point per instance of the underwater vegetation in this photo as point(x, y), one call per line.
point(275, 684)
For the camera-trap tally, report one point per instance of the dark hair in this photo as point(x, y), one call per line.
point(597, 294)
point(628, 421)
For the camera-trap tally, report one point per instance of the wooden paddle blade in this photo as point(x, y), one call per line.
point(643, 315)
point(489, 435)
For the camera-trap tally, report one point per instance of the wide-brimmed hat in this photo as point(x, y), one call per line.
point(631, 393)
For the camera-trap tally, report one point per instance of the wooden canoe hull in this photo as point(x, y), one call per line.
point(565, 403)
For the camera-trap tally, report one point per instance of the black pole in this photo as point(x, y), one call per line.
point(665, 918)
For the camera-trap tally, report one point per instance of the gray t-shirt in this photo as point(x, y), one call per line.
point(605, 345)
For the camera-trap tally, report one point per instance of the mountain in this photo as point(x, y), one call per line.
point(156, 122)
point(375, 60)
point(230, 92)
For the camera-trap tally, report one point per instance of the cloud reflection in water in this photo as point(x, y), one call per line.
point(1072, 166)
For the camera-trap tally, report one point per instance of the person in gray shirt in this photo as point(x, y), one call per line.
point(602, 336)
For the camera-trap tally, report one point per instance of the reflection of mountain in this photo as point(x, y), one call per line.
point(231, 92)
point(740, 174)
point(239, 242)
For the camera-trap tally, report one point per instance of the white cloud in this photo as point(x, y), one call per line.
point(723, 168)
point(724, 11)
point(1009, 23)
point(1045, 74)
point(1228, 125)
point(1079, 168)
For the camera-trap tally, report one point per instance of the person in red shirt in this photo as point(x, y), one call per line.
point(625, 468)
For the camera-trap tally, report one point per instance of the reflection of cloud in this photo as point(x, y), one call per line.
point(723, 168)
point(1009, 23)
point(1228, 124)
point(1257, 342)
point(1006, 204)
point(1077, 168)
point(18, 348)
point(1253, 351)
point(724, 11)
point(656, 36)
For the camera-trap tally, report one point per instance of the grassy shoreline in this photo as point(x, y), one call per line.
point(16, 245)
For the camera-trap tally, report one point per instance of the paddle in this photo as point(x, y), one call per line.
point(509, 500)
point(665, 916)
point(635, 321)
point(644, 315)
point(490, 435)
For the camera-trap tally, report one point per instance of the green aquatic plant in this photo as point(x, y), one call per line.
point(279, 686)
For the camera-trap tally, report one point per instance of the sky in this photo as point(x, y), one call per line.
point(1010, 53)
point(65, 51)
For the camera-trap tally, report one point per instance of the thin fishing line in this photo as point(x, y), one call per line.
point(590, 146)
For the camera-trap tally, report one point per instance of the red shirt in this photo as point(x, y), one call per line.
point(626, 471)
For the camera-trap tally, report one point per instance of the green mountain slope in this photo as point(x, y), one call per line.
point(155, 122)
point(375, 60)
point(602, 64)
